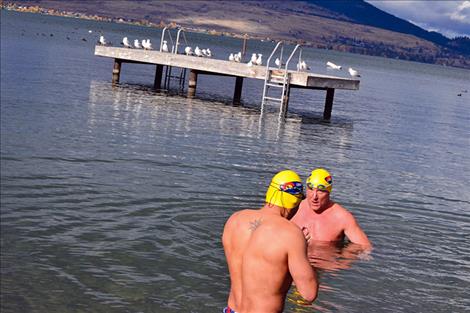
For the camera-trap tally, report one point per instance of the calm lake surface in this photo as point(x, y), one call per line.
point(113, 199)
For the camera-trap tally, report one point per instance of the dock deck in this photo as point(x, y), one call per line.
point(213, 66)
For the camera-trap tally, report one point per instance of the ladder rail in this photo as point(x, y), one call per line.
point(268, 71)
point(178, 40)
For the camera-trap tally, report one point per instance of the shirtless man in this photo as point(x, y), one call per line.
point(323, 219)
point(265, 251)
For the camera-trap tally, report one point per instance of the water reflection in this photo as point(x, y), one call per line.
point(181, 114)
point(329, 259)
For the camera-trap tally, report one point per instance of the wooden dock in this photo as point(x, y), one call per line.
point(212, 66)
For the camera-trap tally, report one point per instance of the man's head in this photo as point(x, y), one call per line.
point(285, 191)
point(319, 185)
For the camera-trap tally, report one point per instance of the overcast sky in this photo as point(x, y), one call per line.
point(450, 18)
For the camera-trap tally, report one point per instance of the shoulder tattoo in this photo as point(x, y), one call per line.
point(255, 224)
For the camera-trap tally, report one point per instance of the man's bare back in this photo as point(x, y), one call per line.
point(265, 252)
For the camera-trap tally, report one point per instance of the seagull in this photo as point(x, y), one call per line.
point(125, 42)
point(353, 72)
point(188, 50)
point(102, 41)
point(238, 57)
point(333, 66)
point(250, 63)
point(137, 44)
point(253, 58)
point(278, 62)
point(165, 46)
point(146, 44)
point(259, 61)
point(231, 57)
point(204, 52)
point(304, 66)
point(208, 53)
point(197, 52)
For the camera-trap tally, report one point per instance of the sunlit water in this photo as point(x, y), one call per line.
point(113, 199)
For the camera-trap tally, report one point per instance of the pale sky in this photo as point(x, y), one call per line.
point(450, 18)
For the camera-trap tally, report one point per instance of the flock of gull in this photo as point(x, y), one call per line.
point(256, 58)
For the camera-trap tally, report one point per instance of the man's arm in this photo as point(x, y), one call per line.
point(303, 274)
point(355, 233)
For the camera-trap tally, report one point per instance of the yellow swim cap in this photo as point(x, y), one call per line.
point(320, 179)
point(285, 190)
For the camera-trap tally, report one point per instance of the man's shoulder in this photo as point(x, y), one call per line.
point(342, 212)
point(242, 215)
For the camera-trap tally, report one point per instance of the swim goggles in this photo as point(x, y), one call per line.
point(320, 187)
point(293, 188)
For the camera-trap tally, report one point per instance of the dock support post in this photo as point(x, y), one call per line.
point(238, 90)
point(245, 40)
point(117, 70)
point(285, 103)
point(330, 93)
point(192, 83)
point(157, 84)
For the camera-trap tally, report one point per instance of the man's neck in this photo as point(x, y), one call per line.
point(271, 209)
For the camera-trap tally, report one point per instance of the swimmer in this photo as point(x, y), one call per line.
point(321, 219)
point(265, 252)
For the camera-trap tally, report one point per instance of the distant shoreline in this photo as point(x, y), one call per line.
point(428, 53)
point(54, 12)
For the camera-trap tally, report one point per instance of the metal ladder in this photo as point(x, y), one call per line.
point(276, 77)
point(181, 77)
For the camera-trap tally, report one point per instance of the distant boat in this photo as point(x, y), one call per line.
point(333, 66)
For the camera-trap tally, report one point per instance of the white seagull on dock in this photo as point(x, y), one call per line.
point(197, 52)
point(165, 46)
point(102, 41)
point(238, 57)
point(353, 72)
point(125, 42)
point(137, 44)
point(253, 58)
point(277, 62)
point(259, 60)
point(231, 58)
point(146, 44)
point(333, 66)
point(250, 63)
point(302, 66)
point(188, 50)
point(208, 53)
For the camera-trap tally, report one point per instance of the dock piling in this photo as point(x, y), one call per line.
point(157, 84)
point(330, 93)
point(237, 95)
point(192, 83)
point(117, 71)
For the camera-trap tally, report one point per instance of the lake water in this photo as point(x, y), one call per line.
point(113, 199)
